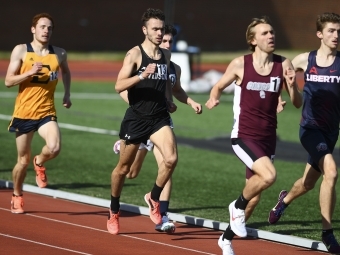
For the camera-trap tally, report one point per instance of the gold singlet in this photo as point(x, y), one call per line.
point(35, 99)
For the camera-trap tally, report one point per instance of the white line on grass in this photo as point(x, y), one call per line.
point(44, 244)
point(111, 96)
point(75, 127)
point(105, 231)
point(75, 95)
point(186, 219)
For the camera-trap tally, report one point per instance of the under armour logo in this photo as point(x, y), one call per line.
point(128, 137)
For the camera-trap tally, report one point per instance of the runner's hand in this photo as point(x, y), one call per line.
point(150, 69)
point(171, 106)
point(280, 107)
point(211, 103)
point(67, 102)
point(36, 68)
point(290, 76)
point(197, 107)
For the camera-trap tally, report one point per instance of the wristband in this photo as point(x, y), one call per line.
point(141, 77)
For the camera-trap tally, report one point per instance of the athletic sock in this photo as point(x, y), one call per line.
point(115, 204)
point(156, 192)
point(164, 207)
point(228, 234)
point(241, 203)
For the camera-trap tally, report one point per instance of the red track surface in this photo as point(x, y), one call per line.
point(55, 226)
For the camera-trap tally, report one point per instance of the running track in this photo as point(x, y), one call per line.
point(56, 226)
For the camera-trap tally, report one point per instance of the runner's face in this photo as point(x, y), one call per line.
point(264, 37)
point(42, 32)
point(167, 42)
point(154, 31)
point(330, 35)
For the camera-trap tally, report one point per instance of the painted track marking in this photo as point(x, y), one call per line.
point(44, 244)
point(105, 231)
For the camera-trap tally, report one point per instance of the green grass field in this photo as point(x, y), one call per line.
point(205, 182)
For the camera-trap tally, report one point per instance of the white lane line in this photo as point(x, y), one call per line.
point(105, 231)
point(88, 129)
point(44, 244)
point(109, 96)
point(75, 127)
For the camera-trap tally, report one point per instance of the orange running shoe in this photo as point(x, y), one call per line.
point(40, 178)
point(155, 214)
point(17, 204)
point(113, 223)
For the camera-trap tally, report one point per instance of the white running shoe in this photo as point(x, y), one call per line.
point(226, 246)
point(116, 147)
point(166, 226)
point(237, 220)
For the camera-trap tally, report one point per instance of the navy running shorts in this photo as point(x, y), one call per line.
point(25, 126)
point(317, 143)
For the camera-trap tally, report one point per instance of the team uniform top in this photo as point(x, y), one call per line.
point(255, 101)
point(321, 95)
point(147, 97)
point(35, 99)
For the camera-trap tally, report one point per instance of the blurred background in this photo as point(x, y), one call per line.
point(210, 25)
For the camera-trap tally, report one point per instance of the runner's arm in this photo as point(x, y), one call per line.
point(12, 76)
point(290, 83)
point(231, 74)
point(181, 95)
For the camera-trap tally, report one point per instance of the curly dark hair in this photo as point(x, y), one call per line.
point(324, 18)
point(170, 29)
point(152, 14)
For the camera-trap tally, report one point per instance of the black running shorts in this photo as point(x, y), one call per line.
point(136, 129)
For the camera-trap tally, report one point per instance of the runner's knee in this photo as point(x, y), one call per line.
point(122, 169)
point(269, 178)
point(170, 161)
point(54, 148)
point(331, 176)
point(23, 161)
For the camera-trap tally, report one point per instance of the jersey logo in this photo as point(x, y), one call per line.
point(161, 72)
point(313, 70)
point(172, 78)
point(262, 94)
point(52, 75)
point(31, 59)
point(321, 147)
point(323, 78)
point(332, 71)
point(263, 87)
